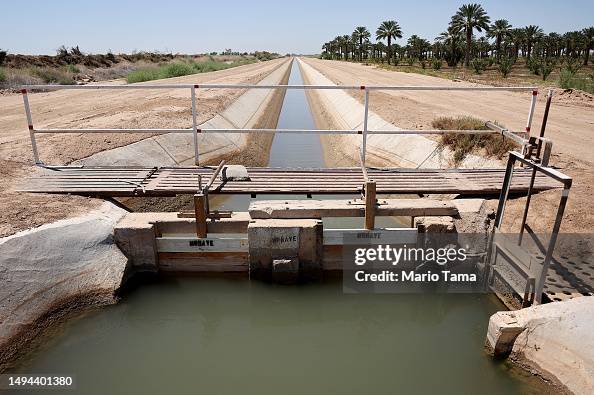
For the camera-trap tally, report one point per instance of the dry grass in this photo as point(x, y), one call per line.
point(491, 145)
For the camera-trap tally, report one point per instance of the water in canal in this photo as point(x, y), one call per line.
point(181, 335)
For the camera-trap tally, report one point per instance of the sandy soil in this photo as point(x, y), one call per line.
point(570, 126)
point(110, 109)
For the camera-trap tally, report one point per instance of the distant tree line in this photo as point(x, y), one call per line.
point(501, 44)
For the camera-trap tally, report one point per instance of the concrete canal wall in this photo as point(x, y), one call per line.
point(256, 108)
point(336, 109)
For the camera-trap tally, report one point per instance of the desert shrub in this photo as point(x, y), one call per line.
point(179, 69)
point(569, 80)
point(53, 76)
point(573, 65)
point(2, 56)
point(436, 64)
point(479, 65)
point(463, 144)
point(72, 69)
point(2, 75)
point(533, 65)
point(505, 66)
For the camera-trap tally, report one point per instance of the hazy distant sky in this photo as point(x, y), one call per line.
point(39, 27)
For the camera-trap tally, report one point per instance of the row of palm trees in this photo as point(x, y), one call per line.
point(459, 41)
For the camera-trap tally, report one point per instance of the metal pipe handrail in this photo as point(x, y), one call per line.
point(252, 86)
point(196, 130)
point(256, 130)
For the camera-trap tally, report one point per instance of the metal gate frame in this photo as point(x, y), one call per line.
point(557, 176)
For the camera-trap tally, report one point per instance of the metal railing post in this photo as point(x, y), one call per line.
point(195, 126)
point(366, 115)
point(30, 126)
point(531, 112)
point(509, 172)
point(552, 242)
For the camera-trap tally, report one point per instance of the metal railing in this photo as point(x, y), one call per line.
point(196, 130)
point(563, 179)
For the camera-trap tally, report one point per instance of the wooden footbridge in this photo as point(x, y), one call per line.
point(172, 181)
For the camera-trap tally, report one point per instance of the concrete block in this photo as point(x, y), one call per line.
point(439, 224)
point(135, 236)
point(502, 332)
point(272, 239)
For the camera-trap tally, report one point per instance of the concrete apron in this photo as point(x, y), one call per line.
point(250, 110)
point(409, 151)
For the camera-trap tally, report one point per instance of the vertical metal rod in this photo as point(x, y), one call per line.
point(531, 112)
point(195, 127)
point(549, 256)
point(364, 143)
point(505, 190)
point(528, 198)
point(545, 117)
point(30, 126)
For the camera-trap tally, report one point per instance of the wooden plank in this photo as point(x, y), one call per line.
point(200, 214)
point(237, 223)
point(311, 208)
point(370, 203)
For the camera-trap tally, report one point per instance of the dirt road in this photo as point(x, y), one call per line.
point(570, 126)
point(161, 108)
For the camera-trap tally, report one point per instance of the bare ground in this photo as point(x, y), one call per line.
point(162, 108)
point(570, 126)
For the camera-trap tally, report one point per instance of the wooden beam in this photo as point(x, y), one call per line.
point(200, 212)
point(370, 204)
point(311, 208)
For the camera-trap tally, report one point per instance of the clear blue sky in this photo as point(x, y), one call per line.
point(39, 27)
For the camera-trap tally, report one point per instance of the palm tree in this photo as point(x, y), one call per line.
point(388, 30)
point(361, 33)
point(451, 37)
point(468, 18)
point(532, 33)
point(589, 42)
point(346, 41)
point(499, 29)
point(517, 37)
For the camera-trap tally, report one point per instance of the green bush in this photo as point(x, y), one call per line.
point(53, 76)
point(505, 66)
point(436, 64)
point(479, 65)
point(569, 80)
point(179, 69)
point(2, 76)
point(546, 67)
point(72, 69)
point(410, 61)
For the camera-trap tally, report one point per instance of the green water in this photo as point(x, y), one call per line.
point(217, 336)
